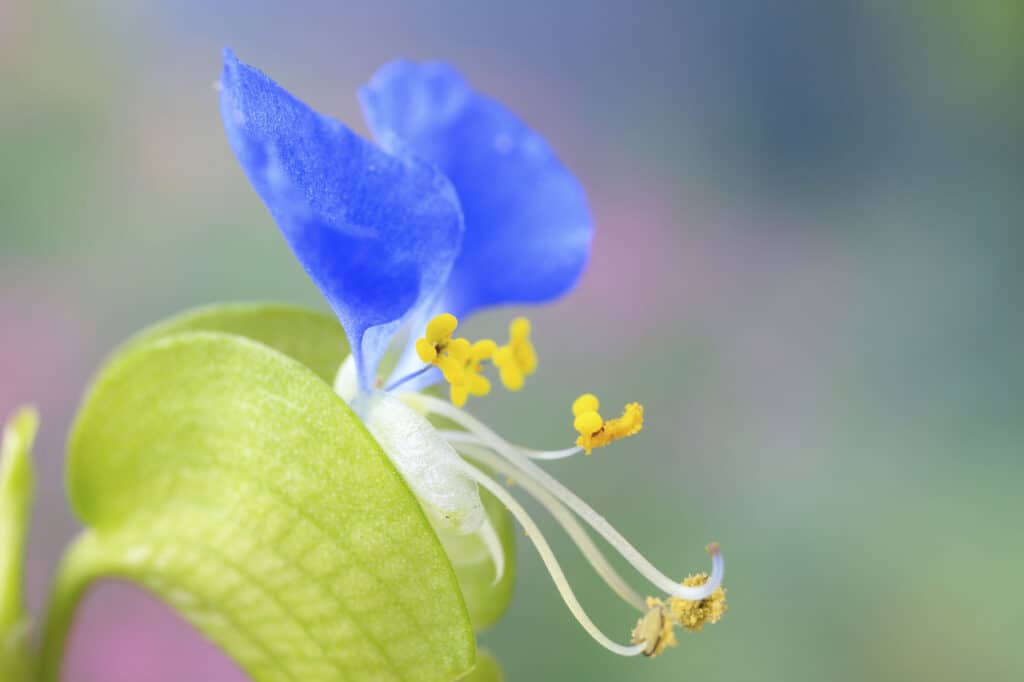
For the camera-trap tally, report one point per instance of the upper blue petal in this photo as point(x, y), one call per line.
point(528, 228)
point(377, 233)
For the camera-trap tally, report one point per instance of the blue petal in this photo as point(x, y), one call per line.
point(528, 228)
point(377, 233)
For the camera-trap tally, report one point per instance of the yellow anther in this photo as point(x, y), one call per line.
point(517, 359)
point(655, 630)
point(437, 338)
point(461, 361)
point(595, 432)
point(438, 348)
point(693, 615)
point(519, 329)
point(588, 423)
point(426, 351)
point(483, 350)
point(452, 369)
point(629, 424)
point(459, 349)
point(473, 383)
point(587, 402)
point(442, 327)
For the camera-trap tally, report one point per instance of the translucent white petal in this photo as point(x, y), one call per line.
point(346, 383)
point(427, 462)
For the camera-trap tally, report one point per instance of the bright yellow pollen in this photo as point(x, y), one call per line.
point(473, 383)
point(438, 348)
point(655, 630)
point(693, 615)
point(438, 335)
point(588, 423)
point(462, 362)
point(517, 359)
point(587, 402)
point(442, 326)
point(595, 432)
point(629, 424)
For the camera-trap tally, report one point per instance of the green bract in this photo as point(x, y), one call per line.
point(17, 481)
point(485, 600)
point(486, 670)
point(213, 464)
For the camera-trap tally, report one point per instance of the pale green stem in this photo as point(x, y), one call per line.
point(82, 563)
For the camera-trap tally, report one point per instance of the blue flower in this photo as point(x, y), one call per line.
point(460, 207)
point(528, 228)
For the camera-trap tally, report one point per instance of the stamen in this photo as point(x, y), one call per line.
point(656, 630)
point(460, 361)
point(592, 518)
point(492, 542)
point(437, 337)
point(550, 562)
point(564, 518)
point(693, 615)
point(438, 348)
point(595, 432)
point(552, 454)
point(473, 382)
point(466, 437)
point(517, 359)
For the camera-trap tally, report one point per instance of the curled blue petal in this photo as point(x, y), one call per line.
point(378, 234)
point(528, 228)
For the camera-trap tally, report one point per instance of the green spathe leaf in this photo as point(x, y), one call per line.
point(318, 341)
point(313, 338)
point(231, 481)
point(17, 483)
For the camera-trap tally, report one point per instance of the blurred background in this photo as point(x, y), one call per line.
point(807, 266)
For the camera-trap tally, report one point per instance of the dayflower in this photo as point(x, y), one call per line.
point(458, 206)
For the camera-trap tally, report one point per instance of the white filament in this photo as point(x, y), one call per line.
point(464, 437)
point(492, 542)
point(565, 519)
point(582, 509)
point(552, 454)
point(550, 562)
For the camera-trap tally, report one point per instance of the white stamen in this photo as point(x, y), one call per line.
point(464, 437)
point(585, 512)
point(565, 519)
point(492, 542)
point(552, 454)
point(548, 557)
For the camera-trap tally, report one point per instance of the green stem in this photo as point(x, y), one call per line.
point(82, 563)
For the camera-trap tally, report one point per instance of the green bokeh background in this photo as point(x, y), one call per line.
point(807, 266)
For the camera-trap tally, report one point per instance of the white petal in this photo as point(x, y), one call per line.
point(346, 383)
point(427, 462)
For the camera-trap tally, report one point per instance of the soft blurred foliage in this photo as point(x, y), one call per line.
point(807, 265)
